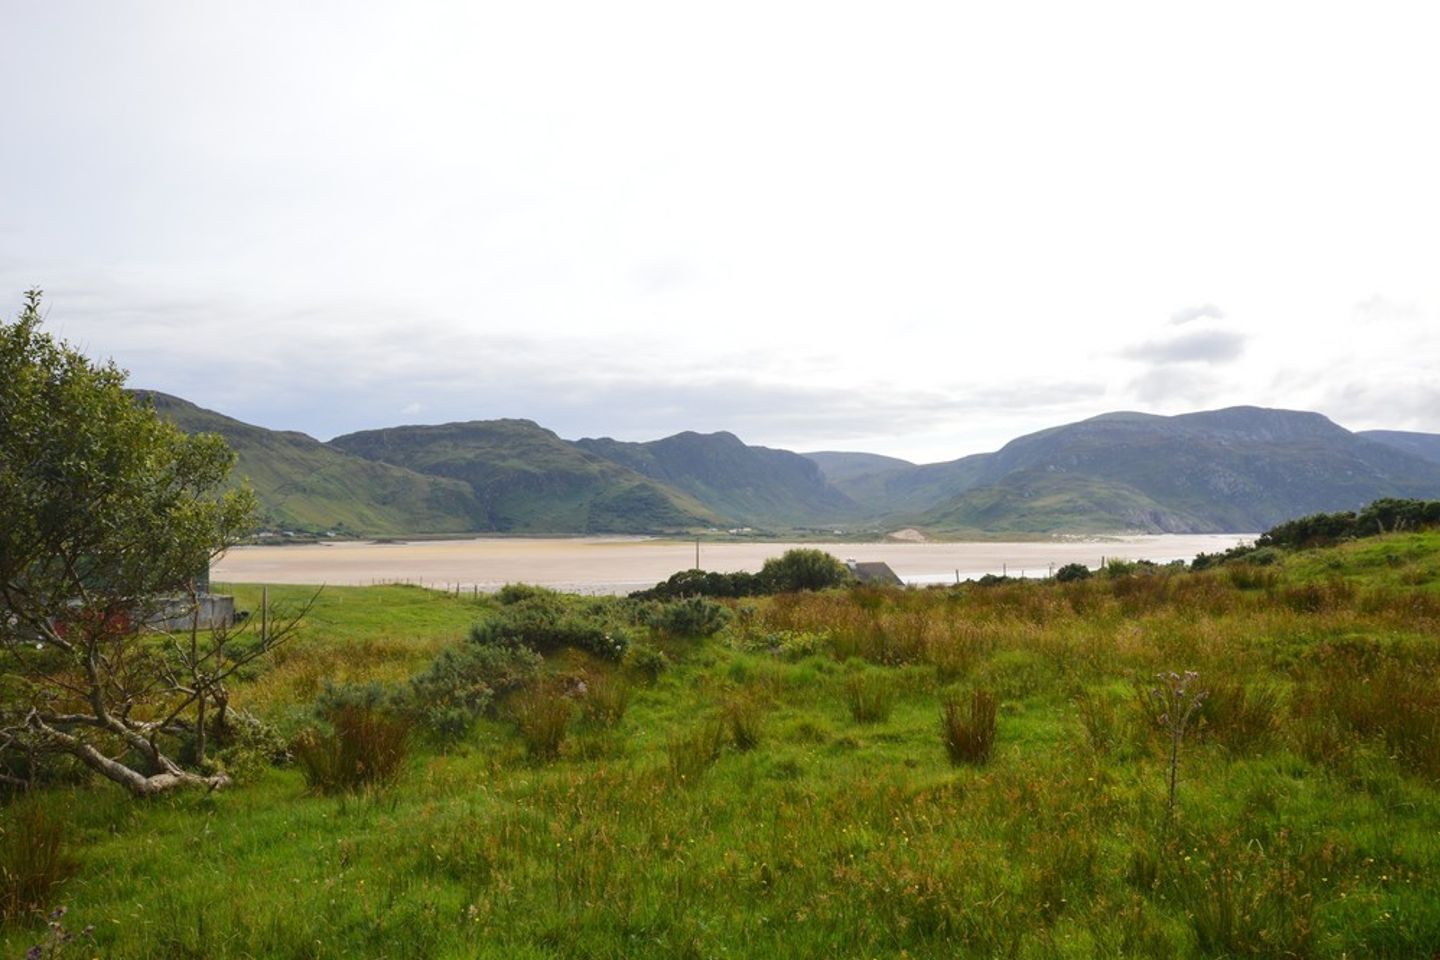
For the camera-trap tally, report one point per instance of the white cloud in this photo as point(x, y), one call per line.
point(314, 215)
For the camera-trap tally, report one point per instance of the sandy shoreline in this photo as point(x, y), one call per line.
point(621, 564)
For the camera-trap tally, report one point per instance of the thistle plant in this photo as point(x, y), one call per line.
point(1175, 704)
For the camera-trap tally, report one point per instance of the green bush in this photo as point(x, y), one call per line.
point(703, 583)
point(803, 568)
point(545, 621)
point(448, 696)
point(1071, 572)
point(515, 592)
point(647, 661)
point(691, 617)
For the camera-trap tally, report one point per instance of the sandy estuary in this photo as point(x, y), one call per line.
point(621, 564)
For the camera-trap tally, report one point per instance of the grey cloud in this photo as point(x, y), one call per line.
point(1202, 346)
point(1205, 311)
point(332, 370)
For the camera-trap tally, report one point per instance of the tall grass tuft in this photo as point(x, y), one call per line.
point(692, 753)
point(743, 714)
point(542, 715)
point(606, 699)
point(366, 747)
point(870, 696)
point(967, 726)
point(34, 859)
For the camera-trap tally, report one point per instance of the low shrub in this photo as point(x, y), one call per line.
point(967, 726)
point(515, 592)
point(461, 684)
point(545, 621)
point(34, 858)
point(691, 617)
point(1071, 572)
point(869, 696)
point(366, 746)
point(646, 661)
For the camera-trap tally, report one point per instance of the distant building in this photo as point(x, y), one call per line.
point(874, 574)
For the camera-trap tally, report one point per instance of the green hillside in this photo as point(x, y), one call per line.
point(1238, 469)
point(302, 484)
point(743, 483)
point(838, 466)
point(529, 480)
point(1423, 445)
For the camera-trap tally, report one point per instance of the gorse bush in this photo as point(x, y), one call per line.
point(646, 661)
point(967, 726)
point(1071, 572)
point(691, 617)
point(704, 583)
point(366, 746)
point(515, 592)
point(545, 622)
point(461, 684)
point(34, 858)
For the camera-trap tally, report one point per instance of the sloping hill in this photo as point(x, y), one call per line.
point(1238, 469)
point(839, 466)
point(529, 480)
point(1423, 445)
point(302, 484)
point(744, 483)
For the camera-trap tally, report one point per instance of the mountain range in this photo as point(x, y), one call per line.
point(1240, 469)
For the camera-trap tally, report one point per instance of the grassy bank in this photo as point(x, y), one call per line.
point(783, 788)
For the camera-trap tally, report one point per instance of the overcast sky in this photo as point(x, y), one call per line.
point(918, 229)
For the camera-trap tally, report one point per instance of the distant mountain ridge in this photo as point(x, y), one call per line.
point(1240, 469)
point(1423, 445)
point(307, 485)
point(1237, 469)
point(529, 480)
point(755, 484)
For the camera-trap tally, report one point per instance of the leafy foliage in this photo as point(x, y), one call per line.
point(106, 512)
point(803, 568)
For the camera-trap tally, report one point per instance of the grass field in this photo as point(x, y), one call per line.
point(783, 788)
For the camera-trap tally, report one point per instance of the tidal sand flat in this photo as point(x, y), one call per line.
point(622, 564)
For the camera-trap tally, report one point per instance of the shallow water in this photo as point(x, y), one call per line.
point(622, 564)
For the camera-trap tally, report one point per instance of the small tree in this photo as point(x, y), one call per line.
point(803, 568)
point(107, 514)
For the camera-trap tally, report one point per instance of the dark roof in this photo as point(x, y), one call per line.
point(876, 573)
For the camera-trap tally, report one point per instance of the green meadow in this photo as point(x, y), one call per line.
point(971, 771)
